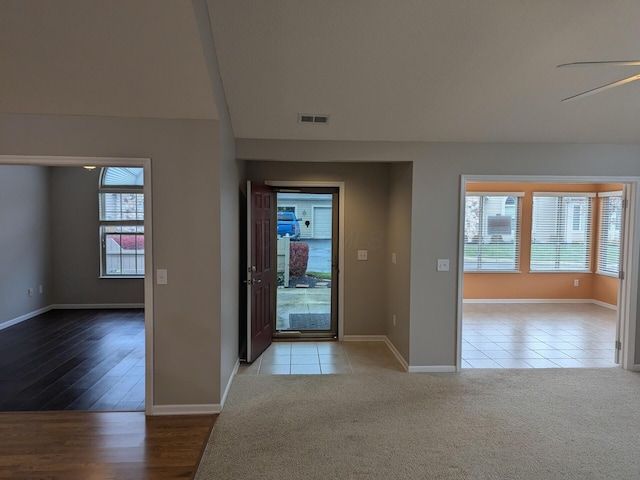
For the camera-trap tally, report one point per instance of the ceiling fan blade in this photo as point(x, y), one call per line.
point(633, 78)
point(612, 63)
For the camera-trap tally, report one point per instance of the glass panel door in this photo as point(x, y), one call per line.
point(307, 256)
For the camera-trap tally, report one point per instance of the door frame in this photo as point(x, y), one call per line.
point(145, 163)
point(341, 236)
point(627, 288)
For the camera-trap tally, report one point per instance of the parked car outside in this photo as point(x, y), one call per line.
point(288, 225)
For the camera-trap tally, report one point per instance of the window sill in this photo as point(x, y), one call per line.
point(607, 274)
point(492, 271)
point(560, 271)
point(122, 276)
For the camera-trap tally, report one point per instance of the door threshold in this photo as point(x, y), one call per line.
point(300, 337)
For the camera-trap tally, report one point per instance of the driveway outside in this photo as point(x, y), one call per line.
point(319, 255)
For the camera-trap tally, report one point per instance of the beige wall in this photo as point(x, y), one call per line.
point(365, 219)
point(185, 163)
point(76, 246)
point(399, 232)
point(437, 170)
point(25, 246)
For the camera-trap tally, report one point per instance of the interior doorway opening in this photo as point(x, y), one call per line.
point(140, 335)
point(546, 324)
point(307, 261)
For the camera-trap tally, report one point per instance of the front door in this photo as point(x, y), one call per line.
point(260, 273)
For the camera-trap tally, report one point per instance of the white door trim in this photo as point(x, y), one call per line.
point(63, 161)
point(628, 289)
point(341, 195)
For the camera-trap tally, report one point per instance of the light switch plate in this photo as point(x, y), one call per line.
point(362, 254)
point(161, 276)
point(443, 264)
point(394, 258)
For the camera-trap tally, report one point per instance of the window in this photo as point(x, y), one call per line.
point(492, 232)
point(121, 222)
point(609, 233)
point(561, 232)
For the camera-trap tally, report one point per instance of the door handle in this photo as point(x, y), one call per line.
point(253, 281)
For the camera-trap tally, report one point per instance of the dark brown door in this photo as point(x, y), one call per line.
point(260, 269)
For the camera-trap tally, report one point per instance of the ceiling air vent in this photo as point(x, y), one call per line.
point(313, 118)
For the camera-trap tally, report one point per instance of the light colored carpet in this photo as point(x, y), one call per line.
point(481, 424)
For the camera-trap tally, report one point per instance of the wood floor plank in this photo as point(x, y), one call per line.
point(104, 445)
point(73, 359)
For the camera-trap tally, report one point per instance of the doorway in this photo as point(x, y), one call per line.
point(307, 260)
point(588, 338)
point(144, 335)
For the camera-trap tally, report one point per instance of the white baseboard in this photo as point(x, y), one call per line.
point(94, 306)
point(197, 409)
point(26, 316)
point(540, 300)
point(364, 338)
point(527, 300)
point(432, 369)
point(228, 387)
point(605, 305)
point(396, 353)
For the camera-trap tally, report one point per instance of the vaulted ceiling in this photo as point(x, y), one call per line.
point(398, 70)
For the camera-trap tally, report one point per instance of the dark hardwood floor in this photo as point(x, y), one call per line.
point(101, 445)
point(74, 360)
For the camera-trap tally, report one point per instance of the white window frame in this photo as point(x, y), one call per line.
point(563, 224)
point(135, 226)
point(482, 264)
point(603, 234)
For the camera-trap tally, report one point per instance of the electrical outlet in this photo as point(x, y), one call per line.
point(394, 259)
point(362, 254)
point(30, 292)
point(41, 289)
point(576, 282)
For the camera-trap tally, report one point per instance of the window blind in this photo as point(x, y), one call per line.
point(609, 233)
point(561, 232)
point(492, 231)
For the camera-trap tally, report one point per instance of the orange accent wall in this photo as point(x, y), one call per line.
point(541, 285)
point(605, 289)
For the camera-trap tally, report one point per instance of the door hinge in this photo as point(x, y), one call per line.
point(621, 275)
point(618, 345)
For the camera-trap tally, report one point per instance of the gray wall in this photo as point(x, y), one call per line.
point(25, 246)
point(76, 247)
point(365, 219)
point(185, 164)
point(435, 208)
point(399, 274)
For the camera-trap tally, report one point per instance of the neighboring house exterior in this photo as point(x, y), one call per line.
point(312, 208)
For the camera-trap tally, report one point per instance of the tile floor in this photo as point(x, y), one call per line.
point(493, 336)
point(537, 336)
point(323, 357)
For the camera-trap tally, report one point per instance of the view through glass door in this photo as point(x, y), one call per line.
point(307, 262)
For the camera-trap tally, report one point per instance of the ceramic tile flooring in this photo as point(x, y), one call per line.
point(493, 336)
point(537, 336)
point(323, 357)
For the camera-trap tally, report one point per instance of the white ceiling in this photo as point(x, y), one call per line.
point(129, 58)
point(430, 70)
point(399, 70)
